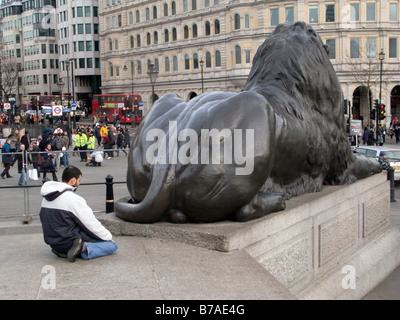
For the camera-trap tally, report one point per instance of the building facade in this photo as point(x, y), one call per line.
point(205, 45)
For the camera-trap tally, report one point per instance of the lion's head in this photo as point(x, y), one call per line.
point(292, 65)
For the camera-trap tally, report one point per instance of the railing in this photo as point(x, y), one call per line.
point(27, 217)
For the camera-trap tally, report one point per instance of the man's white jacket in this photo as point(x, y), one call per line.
point(66, 216)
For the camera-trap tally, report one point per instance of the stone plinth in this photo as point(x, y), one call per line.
point(313, 247)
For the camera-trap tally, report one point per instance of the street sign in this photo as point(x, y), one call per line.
point(57, 111)
point(141, 104)
point(356, 127)
point(7, 106)
point(11, 99)
point(66, 110)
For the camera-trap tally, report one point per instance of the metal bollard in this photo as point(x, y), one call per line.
point(390, 177)
point(109, 194)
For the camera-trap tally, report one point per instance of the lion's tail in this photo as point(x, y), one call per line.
point(156, 201)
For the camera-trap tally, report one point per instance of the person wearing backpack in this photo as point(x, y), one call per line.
point(56, 145)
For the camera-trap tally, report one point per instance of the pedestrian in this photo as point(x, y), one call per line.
point(120, 142)
point(26, 140)
point(7, 159)
point(56, 146)
point(22, 165)
point(90, 142)
point(127, 139)
point(34, 156)
point(80, 143)
point(365, 135)
point(65, 146)
point(97, 134)
point(97, 159)
point(69, 225)
point(397, 133)
point(47, 164)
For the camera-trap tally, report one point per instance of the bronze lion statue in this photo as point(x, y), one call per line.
point(239, 156)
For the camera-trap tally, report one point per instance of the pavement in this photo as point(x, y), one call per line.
point(144, 268)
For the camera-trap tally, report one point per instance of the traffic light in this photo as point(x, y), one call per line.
point(33, 103)
point(345, 106)
point(382, 112)
point(376, 103)
point(373, 114)
point(127, 103)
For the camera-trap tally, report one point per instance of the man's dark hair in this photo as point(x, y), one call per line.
point(71, 172)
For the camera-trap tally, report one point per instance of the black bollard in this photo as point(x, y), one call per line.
point(390, 177)
point(109, 194)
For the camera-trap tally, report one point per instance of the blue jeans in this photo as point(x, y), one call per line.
point(65, 159)
point(99, 249)
point(22, 178)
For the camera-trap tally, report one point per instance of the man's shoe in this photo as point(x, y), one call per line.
point(10, 177)
point(75, 249)
point(59, 254)
point(2, 176)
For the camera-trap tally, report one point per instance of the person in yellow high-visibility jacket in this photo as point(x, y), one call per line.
point(91, 142)
point(81, 143)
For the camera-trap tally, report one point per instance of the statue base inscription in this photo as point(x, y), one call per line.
point(333, 244)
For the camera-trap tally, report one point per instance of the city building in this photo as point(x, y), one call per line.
point(205, 45)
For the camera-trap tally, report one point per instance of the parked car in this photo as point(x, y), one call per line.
point(391, 154)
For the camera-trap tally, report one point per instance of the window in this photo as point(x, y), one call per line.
point(173, 8)
point(148, 38)
point(354, 12)
point(194, 4)
point(185, 5)
point(195, 61)
point(110, 44)
point(155, 36)
point(44, 63)
point(206, 3)
point(186, 32)
point(119, 20)
point(138, 40)
point(392, 47)
point(79, 11)
point(95, 11)
point(88, 28)
point(175, 63)
point(247, 21)
point(393, 11)
point(248, 56)
point(80, 28)
point(131, 41)
point(166, 63)
point(137, 16)
point(96, 45)
point(237, 21)
point(371, 47)
point(289, 14)
point(97, 62)
point(354, 48)
point(165, 10)
point(81, 45)
point(111, 69)
point(274, 17)
point(208, 28)
point(89, 62)
point(154, 12)
point(166, 35)
point(216, 27)
point(238, 54)
point(332, 48)
point(208, 59)
point(187, 62)
point(313, 14)
point(95, 28)
point(87, 11)
point(89, 46)
point(330, 13)
point(44, 48)
point(81, 63)
point(174, 34)
point(117, 71)
point(371, 11)
point(130, 17)
point(194, 31)
point(217, 58)
point(147, 14)
point(116, 44)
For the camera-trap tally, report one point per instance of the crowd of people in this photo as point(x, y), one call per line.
point(372, 136)
point(53, 148)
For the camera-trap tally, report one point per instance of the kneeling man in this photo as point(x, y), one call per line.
point(69, 225)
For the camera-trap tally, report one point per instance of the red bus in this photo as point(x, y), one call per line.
point(44, 100)
point(125, 105)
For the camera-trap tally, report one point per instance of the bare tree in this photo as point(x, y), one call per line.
point(9, 76)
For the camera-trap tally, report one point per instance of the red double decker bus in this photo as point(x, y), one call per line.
point(109, 105)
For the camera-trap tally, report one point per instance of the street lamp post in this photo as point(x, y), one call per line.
point(381, 58)
point(201, 66)
point(73, 88)
point(153, 73)
point(60, 85)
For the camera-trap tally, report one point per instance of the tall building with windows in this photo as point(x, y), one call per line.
point(204, 45)
point(29, 45)
point(79, 48)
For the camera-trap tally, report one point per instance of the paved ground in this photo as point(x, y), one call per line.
point(143, 268)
